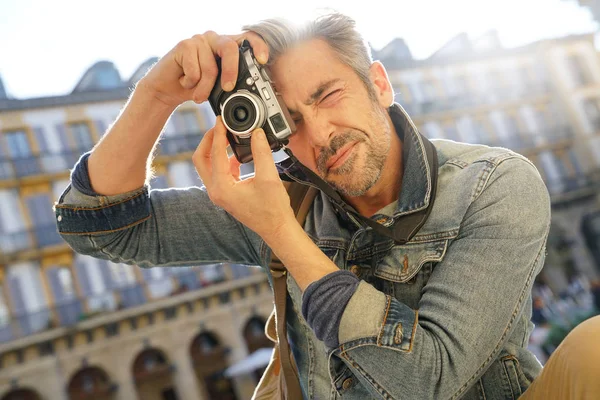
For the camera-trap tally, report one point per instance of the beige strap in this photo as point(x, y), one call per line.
point(301, 198)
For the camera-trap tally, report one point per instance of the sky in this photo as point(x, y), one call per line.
point(46, 46)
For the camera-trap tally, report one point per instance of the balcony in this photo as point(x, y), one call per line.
point(476, 99)
point(180, 143)
point(22, 167)
point(39, 237)
point(72, 311)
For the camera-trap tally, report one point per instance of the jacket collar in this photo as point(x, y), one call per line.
point(418, 185)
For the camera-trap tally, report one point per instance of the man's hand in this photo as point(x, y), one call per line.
point(189, 71)
point(261, 202)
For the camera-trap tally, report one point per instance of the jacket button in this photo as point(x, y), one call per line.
point(355, 269)
point(347, 383)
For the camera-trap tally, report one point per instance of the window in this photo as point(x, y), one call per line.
point(578, 70)
point(554, 170)
point(26, 292)
point(592, 112)
point(121, 274)
point(433, 130)
point(19, 150)
point(481, 132)
point(507, 129)
point(467, 130)
point(6, 171)
point(18, 144)
point(183, 174)
point(94, 279)
point(81, 136)
point(68, 306)
point(42, 218)
point(13, 234)
point(189, 120)
point(452, 132)
point(5, 328)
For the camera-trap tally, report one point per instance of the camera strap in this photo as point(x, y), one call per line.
point(407, 226)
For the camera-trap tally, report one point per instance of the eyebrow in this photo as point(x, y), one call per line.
point(318, 92)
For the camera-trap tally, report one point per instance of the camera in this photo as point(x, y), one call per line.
point(253, 103)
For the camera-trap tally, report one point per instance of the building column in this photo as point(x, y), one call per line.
point(184, 377)
point(123, 376)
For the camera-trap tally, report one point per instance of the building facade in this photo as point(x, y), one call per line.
point(74, 327)
point(541, 100)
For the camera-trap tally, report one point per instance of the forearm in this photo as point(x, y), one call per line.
point(119, 162)
point(302, 258)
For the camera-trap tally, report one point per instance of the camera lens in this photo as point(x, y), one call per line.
point(240, 114)
point(243, 112)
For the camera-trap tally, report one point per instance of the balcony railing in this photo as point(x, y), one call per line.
point(180, 143)
point(71, 311)
point(40, 236)
point(474, 99)
point(11, 168)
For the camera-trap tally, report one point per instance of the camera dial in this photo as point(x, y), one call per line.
point(243, 112)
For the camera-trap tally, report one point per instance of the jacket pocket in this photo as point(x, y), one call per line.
point(514, 377)
point(504, 380)
point(405, 270)
point(402, 263)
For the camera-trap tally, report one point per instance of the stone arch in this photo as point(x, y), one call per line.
point(254, 334)
point(209, 358)
point(21, 394)
point(91, 383)
point(255, 338)
point(152, 374)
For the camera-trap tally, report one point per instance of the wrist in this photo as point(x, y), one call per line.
point(281, 232)
point(147, 94)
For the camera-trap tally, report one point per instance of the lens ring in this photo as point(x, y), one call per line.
point(249, 104)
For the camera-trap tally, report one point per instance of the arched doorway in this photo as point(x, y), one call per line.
point(21, 394)
point(254, 335)
point(152, 376)
point(91, 383)
point(209, 359)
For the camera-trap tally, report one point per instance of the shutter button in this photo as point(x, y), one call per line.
point(347, 383)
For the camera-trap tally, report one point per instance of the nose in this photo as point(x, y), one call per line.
point(319, 130)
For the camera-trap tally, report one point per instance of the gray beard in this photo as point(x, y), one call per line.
point(360, 182)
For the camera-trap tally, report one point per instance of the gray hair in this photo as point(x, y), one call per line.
point(337, 30)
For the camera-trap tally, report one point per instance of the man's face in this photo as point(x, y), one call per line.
point(343, 133)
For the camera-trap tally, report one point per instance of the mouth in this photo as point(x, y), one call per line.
point(339, 158)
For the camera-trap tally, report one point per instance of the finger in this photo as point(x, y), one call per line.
point(234, 167)
point(202, 158)
point(264, 166)
point(259, 46)
point(208, 72)
point(220, 161)
point(188, 61)
point(229, 52)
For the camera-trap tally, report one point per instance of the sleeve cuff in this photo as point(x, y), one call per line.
point(364, 315)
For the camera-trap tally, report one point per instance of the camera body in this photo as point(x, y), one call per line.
point(253, 103)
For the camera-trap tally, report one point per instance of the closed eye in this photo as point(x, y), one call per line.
point(332, 93)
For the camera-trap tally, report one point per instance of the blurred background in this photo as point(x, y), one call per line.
point(522, 74)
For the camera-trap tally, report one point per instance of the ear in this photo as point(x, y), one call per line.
point(381, 84)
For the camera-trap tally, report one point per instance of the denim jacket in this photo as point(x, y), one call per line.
point(444, 316)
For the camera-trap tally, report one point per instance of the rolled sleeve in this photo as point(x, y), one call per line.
point(471, 302)
point(373, 316)
point(79, 213)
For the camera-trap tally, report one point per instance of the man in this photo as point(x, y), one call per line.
point(443, 315)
